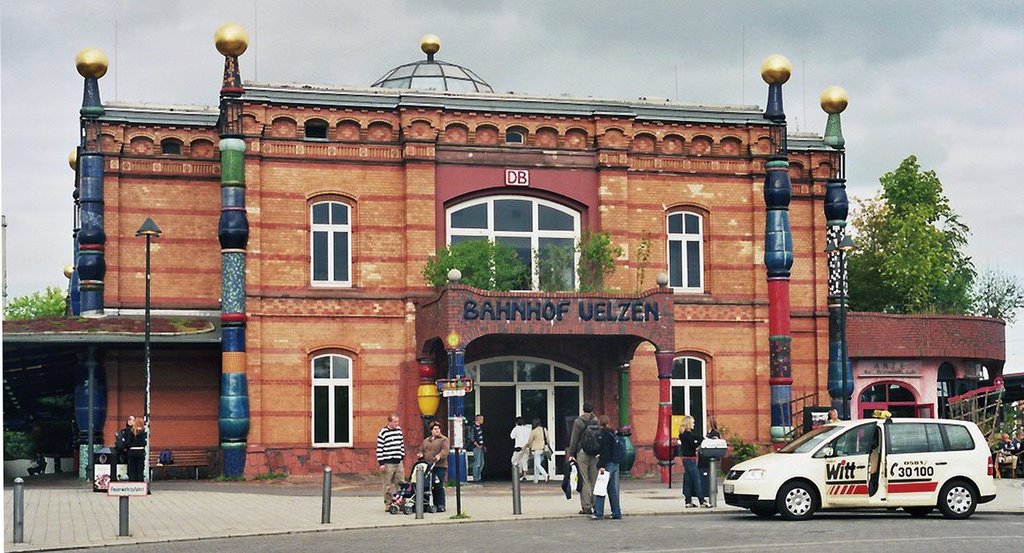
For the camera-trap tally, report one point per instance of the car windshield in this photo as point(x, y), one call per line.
point(810, 440)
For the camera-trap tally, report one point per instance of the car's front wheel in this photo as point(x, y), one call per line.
point(797, 500)
point(958, 500)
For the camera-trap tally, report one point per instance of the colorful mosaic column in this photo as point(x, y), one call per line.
point(840, 380)
point(90, 265)
point(74, 293)
point(233, 231)
point(663, 436)
point(778, 250)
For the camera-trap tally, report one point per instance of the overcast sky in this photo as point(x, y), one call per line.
point(942, 80)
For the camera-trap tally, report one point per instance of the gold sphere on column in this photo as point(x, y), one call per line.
point(69, 270)
point(834, 99)
point(231, 39)
point(776, 69)
point(430, 44)
point(73, 159)
point(91, 62)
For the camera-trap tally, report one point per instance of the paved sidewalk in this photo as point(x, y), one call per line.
point(68, 515)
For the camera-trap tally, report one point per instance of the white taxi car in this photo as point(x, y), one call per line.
point(916, 464)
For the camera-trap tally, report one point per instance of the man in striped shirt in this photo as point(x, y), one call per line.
point(390, 456)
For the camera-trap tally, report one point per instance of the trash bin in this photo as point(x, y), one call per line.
point(710, 455)
point(103, 460)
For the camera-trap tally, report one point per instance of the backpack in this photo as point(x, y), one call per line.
point(590, 440)
point(618, 450)
point(166, 457)
point(119, 441)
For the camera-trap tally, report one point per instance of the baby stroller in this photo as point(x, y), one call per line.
point(404, 500)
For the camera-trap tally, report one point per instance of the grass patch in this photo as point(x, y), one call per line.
point(222, 478)
point(459, 516)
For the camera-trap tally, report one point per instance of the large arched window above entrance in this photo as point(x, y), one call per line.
point(332, 400)
point(529, 226)
point(688, 397)
point(686, 251)
point(890, 396)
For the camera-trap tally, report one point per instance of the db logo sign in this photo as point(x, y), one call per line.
point(517, 177)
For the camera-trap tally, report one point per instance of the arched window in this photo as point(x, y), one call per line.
point(688, 375)
point(890, 396)
point(330, 244)
point(528, 225)
point(332, 400)
point(316, 129)
point(686, 251)
point(515, 135)
point(170, 147)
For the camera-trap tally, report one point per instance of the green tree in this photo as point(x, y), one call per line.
point(484, 264)
point(909, 256)
point(998, 294)
point(554, 268)
point(44, 303)
point(597, 260)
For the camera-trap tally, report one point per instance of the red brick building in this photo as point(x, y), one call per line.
point(350, 190)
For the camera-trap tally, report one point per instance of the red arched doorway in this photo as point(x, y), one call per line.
point(897, 398)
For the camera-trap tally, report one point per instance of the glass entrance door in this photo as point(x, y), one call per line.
point(537, 402)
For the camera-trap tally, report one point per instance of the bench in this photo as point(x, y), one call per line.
point(183, 457)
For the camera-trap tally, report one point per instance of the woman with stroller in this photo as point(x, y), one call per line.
point(434, 450)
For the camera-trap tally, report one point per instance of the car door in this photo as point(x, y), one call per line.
point(845, 463)
point(915, 462)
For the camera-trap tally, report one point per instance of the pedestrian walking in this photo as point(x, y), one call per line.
point(613, 453)
point(521, 447)
point(434, 450)
point(540, 448)
point(689, 442)
point(122, 442)
point(477, 436)
point(584, 447)
point(391, 457)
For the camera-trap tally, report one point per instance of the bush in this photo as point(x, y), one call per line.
point(484, 264)
point(18, 445)
point(597, 260)
point(742, 450)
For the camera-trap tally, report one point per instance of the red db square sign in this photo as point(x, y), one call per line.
point(517, 177)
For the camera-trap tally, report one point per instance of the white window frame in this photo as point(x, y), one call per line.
point(683, 238)
point(332, 385)
point(688, 383)
point(534, 235)
point(330, 229)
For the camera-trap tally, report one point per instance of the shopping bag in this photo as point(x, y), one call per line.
point(601, 484)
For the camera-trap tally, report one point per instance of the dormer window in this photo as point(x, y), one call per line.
point(515, 136)
point(316, 129)
point(170, 147)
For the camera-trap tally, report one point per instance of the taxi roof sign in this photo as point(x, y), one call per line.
point(881, 414)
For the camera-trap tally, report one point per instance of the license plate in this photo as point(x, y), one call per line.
point(728, 488)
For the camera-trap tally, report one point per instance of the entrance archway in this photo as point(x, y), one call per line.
point(889, 396)
point(530, 387)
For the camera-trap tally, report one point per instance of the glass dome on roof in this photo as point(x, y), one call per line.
point(431, 74)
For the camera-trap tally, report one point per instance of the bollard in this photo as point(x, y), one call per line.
point(713, 482)
point(419, 490)
point(122, 516)
point(325, 510)
point(19, 510)
point(517, 501)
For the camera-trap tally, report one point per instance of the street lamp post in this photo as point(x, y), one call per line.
point(150, 231)
point(844, 247)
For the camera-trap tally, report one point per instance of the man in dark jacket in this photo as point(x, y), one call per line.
point(478, 448)
point(122, 441)
point(612, 453)
point(586, 462)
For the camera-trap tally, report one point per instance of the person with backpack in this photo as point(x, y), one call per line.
point(613, 452)
point(584, 447)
